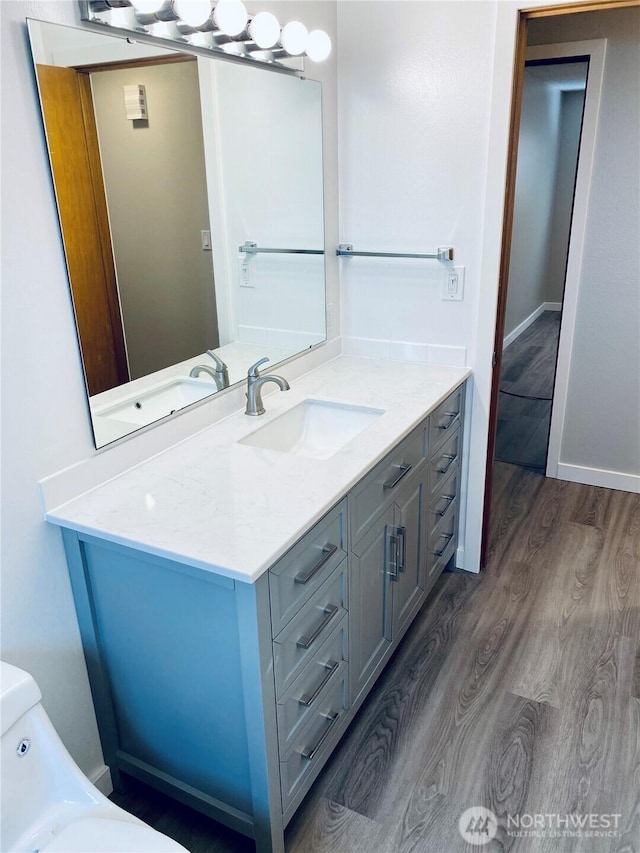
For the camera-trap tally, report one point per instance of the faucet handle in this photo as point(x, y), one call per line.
point(253, 371)
point(220, 365)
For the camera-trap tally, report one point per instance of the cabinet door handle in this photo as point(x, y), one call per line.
point(307, 700)
point(446, 536)
point(306, 642)
point(392, 555)
point(454, 417)
point(404, 470)
point(328, 551)
point(448, 499)
point(308, 752)
point(401, 532)
point(452, 458)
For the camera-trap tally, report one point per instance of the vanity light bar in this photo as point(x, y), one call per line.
point(444, 253)
point(223, 26)
point(250, 248)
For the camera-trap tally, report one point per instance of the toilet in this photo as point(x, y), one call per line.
point(46, 801)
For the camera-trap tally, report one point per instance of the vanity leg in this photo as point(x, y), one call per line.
point(256, 656)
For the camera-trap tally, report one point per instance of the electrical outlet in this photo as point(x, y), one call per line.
point(330, 318)
point(453, 285)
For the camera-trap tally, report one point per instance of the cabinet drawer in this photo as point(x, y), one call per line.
point(445, 419)
point(314, 742)
point(443, 499)
point(442, 542)
point(307, 692)
point(445, 461)
point(294, 647)
point(380, 486)
point(304, 568)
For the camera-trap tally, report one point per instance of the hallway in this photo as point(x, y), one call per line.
point(526, 389)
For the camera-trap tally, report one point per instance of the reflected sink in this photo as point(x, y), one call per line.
point(158, 402)
point(313, 428)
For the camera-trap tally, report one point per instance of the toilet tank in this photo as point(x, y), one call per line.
point(39, 782)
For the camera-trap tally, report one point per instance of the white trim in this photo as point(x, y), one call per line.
point(599, 477)
point(595, 49)
point(522, 327)
point(101, 779)
point(530, 320)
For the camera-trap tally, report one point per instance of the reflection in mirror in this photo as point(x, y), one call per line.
point(165, 165)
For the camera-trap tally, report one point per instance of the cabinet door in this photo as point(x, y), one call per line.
point(408, 581)
point(370, 605)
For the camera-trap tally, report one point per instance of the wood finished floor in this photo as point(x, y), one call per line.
point(528, 368)
point(518, 689)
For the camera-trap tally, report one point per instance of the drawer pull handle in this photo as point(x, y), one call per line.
point(404, 470)
point(454, 417)
point(328, 551)
point(451, 460)
point(309, 753)
point(448, 537)
point(332, 666)
point(448, 499)
point(306, 642)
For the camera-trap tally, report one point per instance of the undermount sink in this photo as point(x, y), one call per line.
point(158, 402)
point(314, 428)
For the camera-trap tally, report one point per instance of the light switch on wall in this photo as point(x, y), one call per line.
point(245, 270)
point(453, 285)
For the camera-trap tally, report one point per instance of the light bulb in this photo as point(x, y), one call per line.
point(230, 17)
point(147, 7)
point(195, 13)
point(264, 29)
point(318, 46)
point(294, 38)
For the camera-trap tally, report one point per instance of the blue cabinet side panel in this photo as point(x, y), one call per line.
point(171, 649)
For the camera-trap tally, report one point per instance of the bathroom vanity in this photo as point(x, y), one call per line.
point(237, 602)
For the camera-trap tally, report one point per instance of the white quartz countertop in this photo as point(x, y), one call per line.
point(234, 509)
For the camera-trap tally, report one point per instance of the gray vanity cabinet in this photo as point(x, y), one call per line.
point(230, 696)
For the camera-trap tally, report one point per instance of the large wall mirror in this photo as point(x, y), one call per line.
point(189, 193)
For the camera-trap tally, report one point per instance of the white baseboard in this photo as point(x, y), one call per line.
point(599, 477)
point(528, 321)
point(101, 778)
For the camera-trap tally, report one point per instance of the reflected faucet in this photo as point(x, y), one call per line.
point(220, 375)
point(254, 387)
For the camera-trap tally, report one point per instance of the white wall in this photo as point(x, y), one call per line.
point(45, 424)
point(44, 419)
point(602, 419)
point(270, 175)
point(571, 106)
point(414, 102)
point(534, 200)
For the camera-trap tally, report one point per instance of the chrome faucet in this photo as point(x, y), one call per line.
point(254, 387)
point(220, 375)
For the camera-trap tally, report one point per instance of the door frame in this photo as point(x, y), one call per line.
point(595, 49)
point(525, 13)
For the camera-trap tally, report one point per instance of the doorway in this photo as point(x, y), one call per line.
point(560, 410)
point(549, 144)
